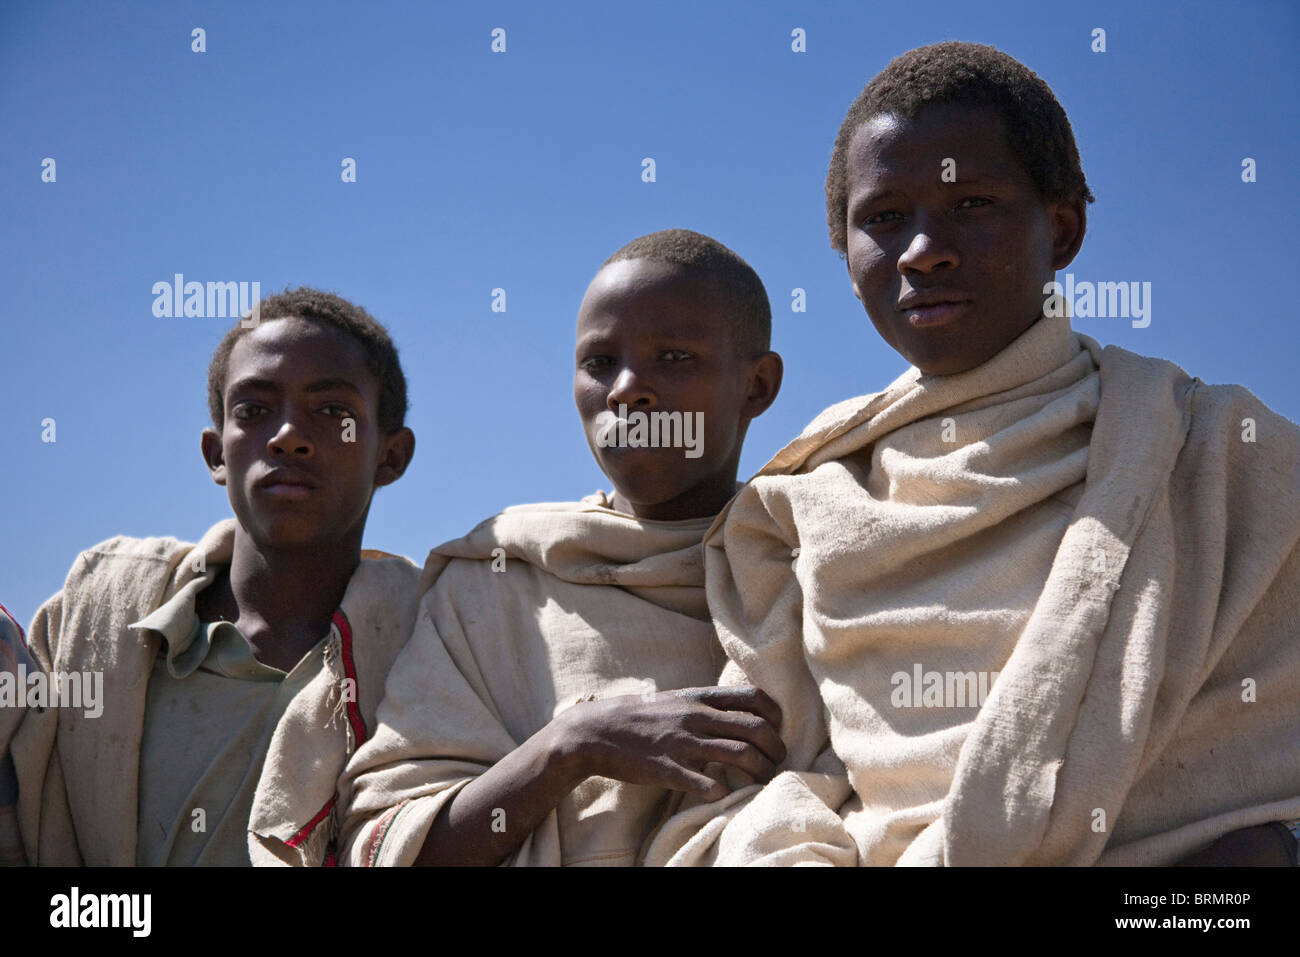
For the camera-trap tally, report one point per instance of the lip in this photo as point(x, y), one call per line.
point(934, 307)
point(608, 423)
point(287, 483)
point(940, 314)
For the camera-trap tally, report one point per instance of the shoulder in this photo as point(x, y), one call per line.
point(379, 607)
point(512, 528)
point(382, 579)
point(1236, 407)
point(1215, 412)
point(126, 558)
point(1257, 449)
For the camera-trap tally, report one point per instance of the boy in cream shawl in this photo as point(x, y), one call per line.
point(530, 718)
point(1037, 602)
point(238, 674)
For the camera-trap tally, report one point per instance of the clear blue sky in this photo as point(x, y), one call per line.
point(522, 170)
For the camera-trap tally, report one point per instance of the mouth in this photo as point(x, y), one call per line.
point(640, 433)
point(934, 307)
point(286, 484)
point(611, 434)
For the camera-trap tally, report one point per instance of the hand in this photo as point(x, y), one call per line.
point(666, 739)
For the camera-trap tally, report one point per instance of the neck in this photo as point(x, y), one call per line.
point(702, 501)
point(282, 600)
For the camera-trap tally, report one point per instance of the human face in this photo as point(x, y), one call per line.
point(651, 338)
point(950, 272)
point(300, 451)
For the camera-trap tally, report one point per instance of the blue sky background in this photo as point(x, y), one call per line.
point(522, 170)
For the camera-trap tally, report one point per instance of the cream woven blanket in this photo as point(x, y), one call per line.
point(1043, 612)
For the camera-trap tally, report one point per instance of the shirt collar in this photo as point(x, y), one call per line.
point(177, 622)
point(174, 619)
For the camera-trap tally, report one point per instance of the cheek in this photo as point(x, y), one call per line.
point(588, 393)
point(721, 414)
point(237, 451)
point(868, 264)
point(590, 401)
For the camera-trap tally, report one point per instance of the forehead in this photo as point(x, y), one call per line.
point(892, 146)
point(293, 350)
point(642, 296)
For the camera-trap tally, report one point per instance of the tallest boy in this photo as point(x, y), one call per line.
point(1104, 546)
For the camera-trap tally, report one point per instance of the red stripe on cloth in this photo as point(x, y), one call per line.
point(350, 672)
point(311, 825)
point(379, 832)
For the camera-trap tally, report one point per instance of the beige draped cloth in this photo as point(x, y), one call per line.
point(1109, 545)
point(79, 774)
point(535, 610)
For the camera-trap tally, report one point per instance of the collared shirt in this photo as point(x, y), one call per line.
point(211, 710)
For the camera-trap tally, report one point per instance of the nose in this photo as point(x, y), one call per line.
point(291, 439)
point(930, 249)
point(631, 390)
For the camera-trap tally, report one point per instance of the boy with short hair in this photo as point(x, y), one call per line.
point(531, 717)
point(1081, 532)
point(238, 674)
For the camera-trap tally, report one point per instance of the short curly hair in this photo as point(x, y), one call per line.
point(1038, 131)
point(751, 313)
point(336, 312)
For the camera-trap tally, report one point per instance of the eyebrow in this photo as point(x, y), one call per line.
point(891, 195)
point(252, 384)
point(654, 340)
point(875, 196)
point(267, 385)
point(330, 385)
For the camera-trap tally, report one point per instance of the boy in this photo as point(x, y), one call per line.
point(524, 721)
point(1038, 597)
point(240, 673)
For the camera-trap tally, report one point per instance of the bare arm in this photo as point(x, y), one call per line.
point(1266, 845)
point(663, 740)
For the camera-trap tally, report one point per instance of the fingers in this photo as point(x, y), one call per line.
point(738, 698)
point(739, 754)
point(742, 713)
point(678, 777)
point(741, 727)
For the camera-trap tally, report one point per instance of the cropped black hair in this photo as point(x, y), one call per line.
point(336, 312)
point(1037, 129)
point(750, 313)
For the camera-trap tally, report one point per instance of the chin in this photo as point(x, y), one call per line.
point(638, 493)
point(938, 361)
point(644, 487)
point(946, 366)
point(286, 531)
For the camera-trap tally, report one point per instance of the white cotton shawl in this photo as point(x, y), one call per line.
point(1112, 542)
point(536, 609)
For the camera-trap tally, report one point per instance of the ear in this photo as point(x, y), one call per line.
point(210, 443)
point(1069, 223)
point(765, 374)
point(395, 453)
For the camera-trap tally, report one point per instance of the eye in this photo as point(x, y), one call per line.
point(974, 202)
point(243, 411)
point(594, 364)
point(337, 411)
point(887, 216)
point(675, 355)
